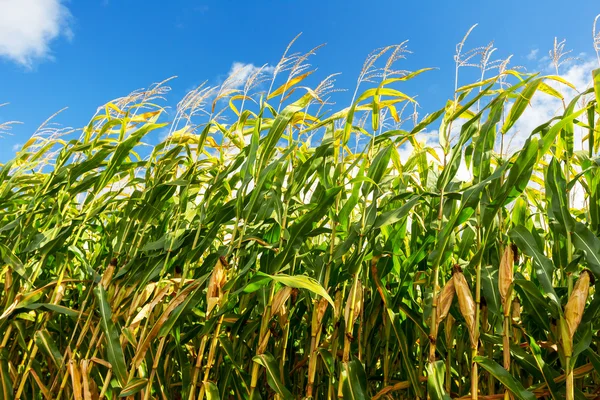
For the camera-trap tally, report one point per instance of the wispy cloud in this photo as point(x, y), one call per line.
point(533, 54)
point(240, 72)
point(27, 28)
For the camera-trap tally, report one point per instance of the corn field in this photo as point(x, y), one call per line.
point(277, 245)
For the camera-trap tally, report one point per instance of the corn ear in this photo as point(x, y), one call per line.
point(505, 273)
point(466, 304)
point(576, 304)
point(218, 278)
point(445, 300)
point(358, 299)
point(108, 273)
point(279, 300)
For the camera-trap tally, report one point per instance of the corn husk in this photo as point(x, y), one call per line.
point(444, 300)
point(321, 308)
point(576, 304)
point(505, 273)
point(278, 305)
point(337, 311)
point(466, 305)
point(218, 278)
point(318, 316)
point(108, 273)
point(358, 299)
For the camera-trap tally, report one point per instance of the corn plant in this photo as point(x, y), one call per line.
point(270, 248)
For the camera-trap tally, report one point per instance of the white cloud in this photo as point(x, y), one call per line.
point(17, 146)
point(241, 72)
point(533, 54)
point(27, 27)
point(544, 107)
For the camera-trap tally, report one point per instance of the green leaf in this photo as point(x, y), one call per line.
point(11, 259)
point(466, 133)
point(484, 144)
point(328, 360)
point(435, 380)
point(489, 286)
point(407, 358)
point(5, 378)
point(544, 269)
point(556, 190)
point(111, 336)
point(45, 342)
point(377, 168)
point(353, 380)
point(212, 391)
point(133, 386)
point(122, 152)
point(299, 230)
point(272, 371)
point(596, 78)
point(584, 339)
point(586, 241)
point(279, 126)
point(520, 104)
point(544, 368)
point(303, 282)
point(505, 378)
point(393, 216)
point(530, 293)
point(518, 176)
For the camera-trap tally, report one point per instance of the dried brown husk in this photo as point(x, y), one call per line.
point(505, 273)
point(466, 305)
point(576, 304)
point(108, 273)
point(358, 299)
point(445, 300)
point(318, 316)
point(218, 278)
point(279, 300)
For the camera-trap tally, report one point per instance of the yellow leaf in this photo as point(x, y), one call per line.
point(283, 88)
point(561, 80)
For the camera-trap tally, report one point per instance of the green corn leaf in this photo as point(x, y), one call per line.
point(521, 103)
point(406, 356)
point(272, 371)
point(44, 341)
point(212, 391)
point(299, 230)
point(586, 241)
point(435, 381)
point(134, 386)
point(303, 282)
point(544, 268)
point(5, 379)
point(505, 378)
point(353, 380)
point(544, 368)
point(596, 79)
point(111, 336)
point(556, 190)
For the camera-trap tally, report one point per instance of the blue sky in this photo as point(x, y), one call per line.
point(81, 54)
